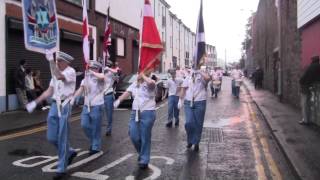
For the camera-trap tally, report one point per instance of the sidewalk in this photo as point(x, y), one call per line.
point(17, 120)
point(301, 144)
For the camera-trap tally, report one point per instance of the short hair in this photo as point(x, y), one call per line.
point(28, 71)
point(22, 62)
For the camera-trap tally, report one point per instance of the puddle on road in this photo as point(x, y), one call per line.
point(24, 152)
point(222, 122)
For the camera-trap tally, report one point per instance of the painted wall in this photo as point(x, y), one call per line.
point(2, 57)
point(310, 44)
point(307, 10)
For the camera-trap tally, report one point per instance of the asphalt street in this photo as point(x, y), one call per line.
point(236, 144)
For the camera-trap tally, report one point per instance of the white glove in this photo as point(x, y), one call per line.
point(72, 101)
point(31, 106)
point(116, 103)
point(49, 55)
point(107, 68)
point(180, 103)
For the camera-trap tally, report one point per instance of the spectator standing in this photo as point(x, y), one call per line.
point(309, 77)
point(31, 93)
point(20, 85)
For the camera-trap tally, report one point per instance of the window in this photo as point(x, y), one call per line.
point(120, 47)
point(159, 11)
point(79, 2)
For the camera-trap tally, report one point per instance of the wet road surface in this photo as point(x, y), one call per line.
point(236, 144)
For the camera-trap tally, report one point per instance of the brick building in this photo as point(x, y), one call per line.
point(124, 47)
point(276, 46)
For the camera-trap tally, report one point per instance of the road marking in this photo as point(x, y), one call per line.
point(96, 174)
point(32, 131)
point(49, 168)
point(21, 162)
point(257, 156)
point(265, 147)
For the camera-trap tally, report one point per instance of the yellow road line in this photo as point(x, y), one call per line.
point(258, 162)
point(265, 147)
point(31, 131)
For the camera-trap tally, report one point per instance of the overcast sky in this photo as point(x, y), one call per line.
point(224, 22)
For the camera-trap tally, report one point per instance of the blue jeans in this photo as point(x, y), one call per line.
point(140, 133)
point(235, 89)
point(91, 124)
point(108, 105)
point(194, 120)
point(58, 134)
point(173, 110)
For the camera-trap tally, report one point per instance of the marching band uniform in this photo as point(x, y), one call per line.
point(215, 77)
point(236, 74)
point(142, 117)
point(109, 96)
point(58, 126)
point(92, 110)
point(195, 107)
point(173, 86)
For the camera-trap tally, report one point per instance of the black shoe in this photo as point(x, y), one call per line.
point(59, 176)
point(177, 123)
point(169, 125)
point(189, 146)
point(196, 147)
point(92, 152)
point(143, 166)
point(108, 133)
point(72, 156)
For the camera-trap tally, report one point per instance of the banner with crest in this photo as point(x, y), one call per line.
point(40, 22)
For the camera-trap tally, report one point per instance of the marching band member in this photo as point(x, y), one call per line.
point(61, 88)
point(195, 95)
point(91, 115)
point(142, 116)
point(173, 84)
point(236, 75)
point(109, 77)
point(215, 83)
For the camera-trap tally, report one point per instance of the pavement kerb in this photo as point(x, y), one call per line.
point(266, 118)
point(42, 122)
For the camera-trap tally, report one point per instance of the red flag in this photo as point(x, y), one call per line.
point(151, 43)
point(85, 34)
point(107, 37)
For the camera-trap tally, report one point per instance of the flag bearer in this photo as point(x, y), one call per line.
point(91, 115)
point(195, 95)
point(61, 88)
point(173, 85)
point(109, 77)
point(142, 116)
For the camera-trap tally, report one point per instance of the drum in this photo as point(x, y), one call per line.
point(238, 82)
point(216, 84)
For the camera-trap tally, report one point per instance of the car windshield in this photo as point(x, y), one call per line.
point(130, 79)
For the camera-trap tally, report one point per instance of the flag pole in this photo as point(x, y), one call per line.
point(140, 35)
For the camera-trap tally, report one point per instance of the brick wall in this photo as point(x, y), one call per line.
point(266, 46)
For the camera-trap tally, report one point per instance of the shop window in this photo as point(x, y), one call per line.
point(120, 47)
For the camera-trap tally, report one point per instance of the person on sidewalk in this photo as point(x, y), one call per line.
point(30, 88)
point(109, 77)
point(174, 85)
point(20, 84)
point(142, 116)
point(194, 91)
point(91, 115)
point(61, 88)
point(309, 77)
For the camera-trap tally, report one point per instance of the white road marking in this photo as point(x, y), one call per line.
point(49, 168)
point(170, 161)
point(47, 159)
point(95, 175)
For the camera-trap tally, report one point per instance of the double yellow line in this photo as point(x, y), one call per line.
point(275, 173)
point(32, 131)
